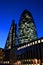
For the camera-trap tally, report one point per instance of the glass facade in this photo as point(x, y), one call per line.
point(11, 36)
point(27, 29)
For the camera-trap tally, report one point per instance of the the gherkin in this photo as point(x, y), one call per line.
point(27, 29)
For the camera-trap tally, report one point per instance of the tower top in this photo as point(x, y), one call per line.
point(10, 42)
point(25, 16)
point(13, 22)
point(26, 12)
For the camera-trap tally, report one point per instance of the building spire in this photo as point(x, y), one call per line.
point(11, 36)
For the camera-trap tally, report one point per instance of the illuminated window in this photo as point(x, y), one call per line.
point(26, 41)
point(35, 42)
point(28, 16)
point(4, 62)
point(38, 41)
point(25, 22)
point(9, 47)
point(28, 44)
point(10, 40)
point(8, 62)
point(24, 45)
point(24, 60)
point(27, 60)
point(41, 40)
point(22, 41)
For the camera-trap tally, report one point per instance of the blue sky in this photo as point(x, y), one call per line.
point(12, 9)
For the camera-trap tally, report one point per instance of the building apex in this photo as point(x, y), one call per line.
point(13, 21)
point(26, 12)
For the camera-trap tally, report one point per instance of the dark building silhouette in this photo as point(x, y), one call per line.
point(10, 49)
point(27, 29)
point(11, 40)
point(13, 55)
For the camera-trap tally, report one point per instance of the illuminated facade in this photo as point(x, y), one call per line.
point(33, 52)
point(27, 29)
point(11, 40)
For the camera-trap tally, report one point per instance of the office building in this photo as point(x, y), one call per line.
point(33, 52)
point(11, 39)
point(26, 29)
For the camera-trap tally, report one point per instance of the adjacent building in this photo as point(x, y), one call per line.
point(33, 52)
point(11, 39)
point(10, 49)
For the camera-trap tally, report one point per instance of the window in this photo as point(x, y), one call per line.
point(35, 42)
point(22, 41)
point(24, 46)
point(41, 40)
point(4, 62)
point(38, 41)
point(9, 47)
point(28, 44)
point(27, 60)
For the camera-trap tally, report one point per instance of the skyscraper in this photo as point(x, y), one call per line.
point(29, 51)
point(11, 37)
point(27, 29)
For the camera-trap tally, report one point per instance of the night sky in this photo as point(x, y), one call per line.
point(12, 9)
